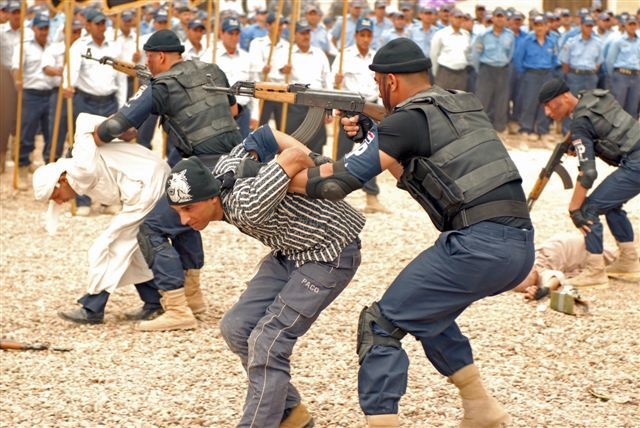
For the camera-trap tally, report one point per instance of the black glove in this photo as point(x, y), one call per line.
point(580, 219)
point(319, 159)
point(365, 124)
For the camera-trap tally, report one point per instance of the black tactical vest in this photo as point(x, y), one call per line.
point(194, 114)
point(467, 161)
point(618, 132)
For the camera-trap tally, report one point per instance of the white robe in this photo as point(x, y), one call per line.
point(112, 173)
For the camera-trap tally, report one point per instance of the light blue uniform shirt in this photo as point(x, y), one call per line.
point(249, 33)
point(392, 34)
point(378, 29)
point(495, 50)
point(582, 54)
point(624, 53)
point(320, 38)
point(422, 37)
point(349, 32)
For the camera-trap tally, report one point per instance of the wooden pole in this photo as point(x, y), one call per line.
point(343, 36)
point(295, 10)
point(56, 123)
point(136, 81)
point(16, 141)
point(67, 42)
point(116, 27)
point(273, 36)
point(208, 26)
point(216, 31)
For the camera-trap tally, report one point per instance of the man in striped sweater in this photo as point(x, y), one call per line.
point(315, 251)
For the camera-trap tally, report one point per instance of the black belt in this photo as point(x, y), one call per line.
point(39, 92)
point(578, 71)
point(493, 66)
point(627, 71)
point(494, 209)
point(538, 70)
point(462, 70)
point(96, 98)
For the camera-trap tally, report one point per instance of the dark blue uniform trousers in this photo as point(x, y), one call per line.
point(615, 190)
point(35, 116)
point(463, 266)
point(532, 118)
point(176, 248)
point(626, 89)
point(493, 92)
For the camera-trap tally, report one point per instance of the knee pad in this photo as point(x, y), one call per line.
point(367, 338)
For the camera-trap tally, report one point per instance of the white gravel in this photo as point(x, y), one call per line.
point(540, 364)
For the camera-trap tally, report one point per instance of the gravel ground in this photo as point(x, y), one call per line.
point(547, 368)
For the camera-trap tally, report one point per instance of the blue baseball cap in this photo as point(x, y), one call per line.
point(588, 20)
point(161, 15)
point(364, 24)
point(98, 18)
point(539, 19)
point(13, 6)
point(196, 23)
point(127, 16)
point(40, 20)
point(302, 26)
point(230, 24)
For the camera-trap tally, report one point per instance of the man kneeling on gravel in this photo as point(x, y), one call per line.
point(315, 251)
point(114, 173)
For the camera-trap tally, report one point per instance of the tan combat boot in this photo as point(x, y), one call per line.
point(374, 206)
point(195, 298)
point(176, 316)
point(627, 266)
point(23, 178)
point(297, 417)
point(383, 421)
point(481, 410)
point(593, 275)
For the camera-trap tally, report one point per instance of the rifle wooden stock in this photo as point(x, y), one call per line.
point(124, 67)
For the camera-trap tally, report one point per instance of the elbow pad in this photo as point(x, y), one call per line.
point(334, 187)
point(113, 127)
point(589, 173)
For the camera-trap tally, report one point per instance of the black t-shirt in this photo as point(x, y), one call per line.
point(405, 134)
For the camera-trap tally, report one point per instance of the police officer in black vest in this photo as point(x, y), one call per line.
point(441, 147)
point(600, 128)
point(199, 123)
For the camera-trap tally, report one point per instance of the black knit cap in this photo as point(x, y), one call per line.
point(163, 41)
point(191, 181)
point(400, 55)
point(552, 89)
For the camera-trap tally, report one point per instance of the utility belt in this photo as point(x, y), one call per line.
point(627, 71)
point(96, 98)
point(39, 92)
point(581, 72)
point(489, 210)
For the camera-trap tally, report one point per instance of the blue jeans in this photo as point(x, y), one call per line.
point(279, 305)
point(462, 267)
point(614, 191)
point(35, 116)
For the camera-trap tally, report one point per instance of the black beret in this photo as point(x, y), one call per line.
point(163, 41)
point(400, 55)
point(552, 89)
point(191, 181)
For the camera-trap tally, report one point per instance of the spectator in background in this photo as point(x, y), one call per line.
point(257, 29)
point(623, 59)
point(423, 33)
point(355, 10)
point(193, 47)
point(380, 23)
point(581, 58)
point(400, 29)
point(450, 49)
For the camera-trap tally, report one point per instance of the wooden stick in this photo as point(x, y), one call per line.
point(295, 10)
point(136, 81)
point(116, 27)
point(56, 124)
point(343, 36)
point(208, 26)
point(273, 36)
point(216, 31)
point(67, 62)
point(16, 141)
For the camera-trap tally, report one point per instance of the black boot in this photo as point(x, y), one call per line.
point(144, 313)
point(82, 316)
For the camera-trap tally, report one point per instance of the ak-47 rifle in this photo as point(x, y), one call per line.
point(127, 68)
point(319, 101)
point(554, 164)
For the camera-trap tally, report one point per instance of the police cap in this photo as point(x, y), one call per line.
point(552, 89)
point(400, 55)
point(163, 41)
